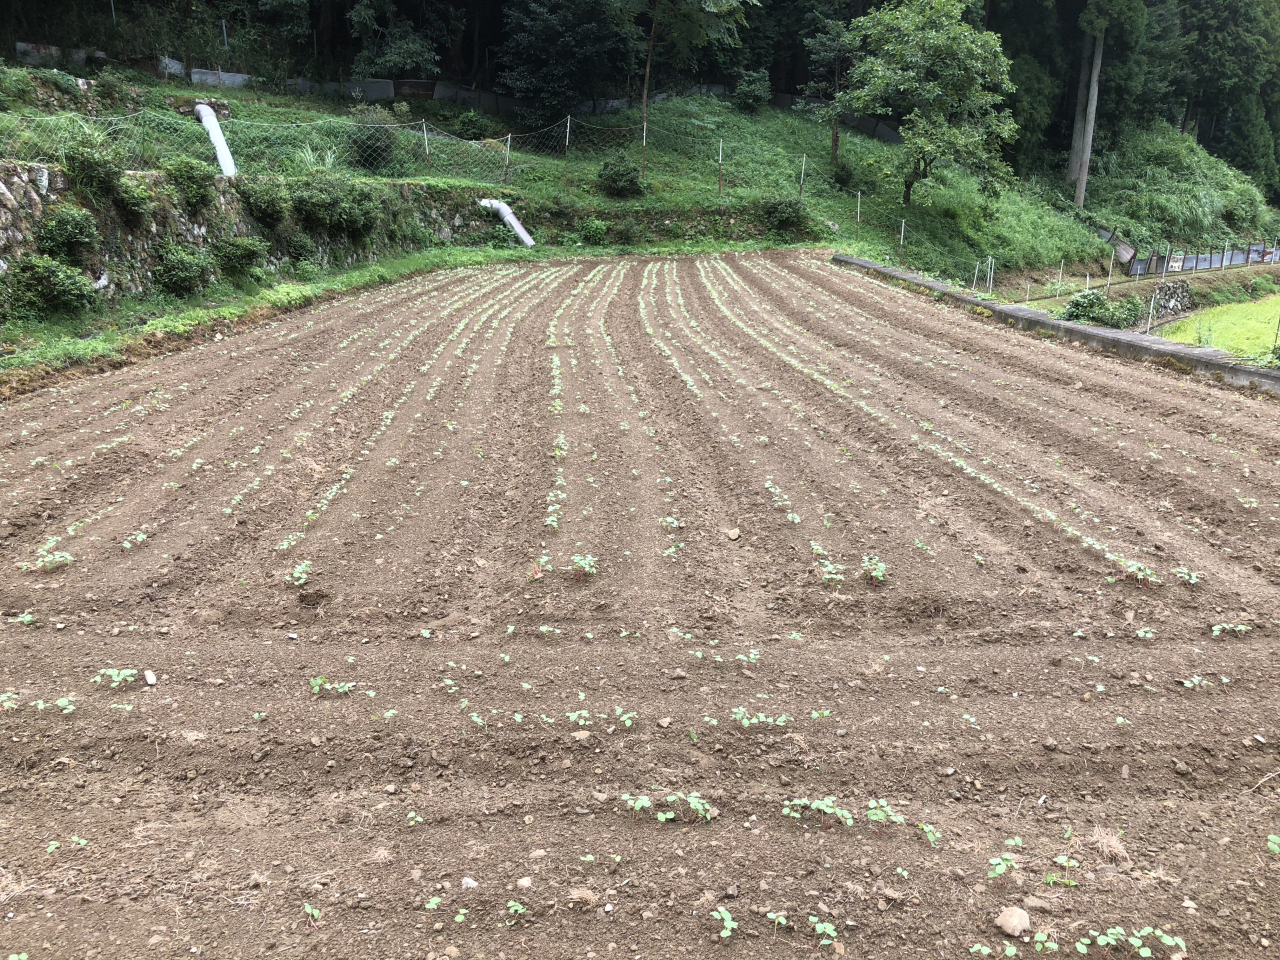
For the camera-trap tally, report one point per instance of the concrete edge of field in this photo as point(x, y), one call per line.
point(1217, 364)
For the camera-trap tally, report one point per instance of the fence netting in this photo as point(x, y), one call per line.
point(419, 149)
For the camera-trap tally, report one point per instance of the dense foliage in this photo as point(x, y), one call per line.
point(1206, 68)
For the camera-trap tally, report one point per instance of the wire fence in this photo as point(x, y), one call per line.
point(419, 149)
point(146, 138)
point(405, 150)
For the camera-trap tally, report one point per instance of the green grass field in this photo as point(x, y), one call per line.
point(1244, 329)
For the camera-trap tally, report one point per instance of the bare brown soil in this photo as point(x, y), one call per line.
point(360, 493)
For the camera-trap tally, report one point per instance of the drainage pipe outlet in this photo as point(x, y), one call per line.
point(509, 218)
point(210, 121)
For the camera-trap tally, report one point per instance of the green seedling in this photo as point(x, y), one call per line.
point(299, 574)
point(879, 811)
point(826, 808)
point(313, 914)
point(727, 923)
point(461, 915)
point(1005, 862)
point(8, 701)
point(1273, 843)
point(824, 930)
point(1238, 628)
point(433, 903)
point(874, 570)
point(1043, 944)
point(79, 841)
point(52, 847)
point(117, 677)
point(931, 833)
point(1062, 879)
point(1135, 941)
point(626, 719)
point(64, 704)
point(516, 911)
point(414, 818)
point(23, 619)
point(779, 920)
point(1145, 633)
point(1190, 577)
point(699, 809)
point(583, 566)
point(321, 684)
point(1008, 950)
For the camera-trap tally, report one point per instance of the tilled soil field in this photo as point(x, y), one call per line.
point(544, 611)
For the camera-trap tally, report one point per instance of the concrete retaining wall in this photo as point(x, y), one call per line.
point(1217, 364)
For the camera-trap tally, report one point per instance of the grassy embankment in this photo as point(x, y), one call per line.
point(1029, 229)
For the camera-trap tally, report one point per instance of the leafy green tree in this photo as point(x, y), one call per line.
point(389, 43)
point(831, 54)
point(921, 63)
point(559, 51)
point(683, 26)
point(1130, 17)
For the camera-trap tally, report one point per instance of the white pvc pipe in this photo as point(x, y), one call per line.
point(210, 121)
point(509, 218)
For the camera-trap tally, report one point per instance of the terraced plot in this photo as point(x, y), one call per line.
point(543, 611)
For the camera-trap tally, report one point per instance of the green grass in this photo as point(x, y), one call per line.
point(1243, 329)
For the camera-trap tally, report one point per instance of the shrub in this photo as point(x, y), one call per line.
point(192, 181)
point(61, 81)
point(37, 285)
point(67, 233)
point(265, 198)
point(471, 126)
point(180, 272)
point(1093, 307)
point(133, 199)
point(373, 139)
point(95, 167)
point(619, 176)
point(334, 204)
point(303, 248)
point(628, 232)
point(593, 232)
point(238, 255)
point(110, 86)
point(752, 91)
point(306, 271)
point(784, 214)
point(842, 174)
point(15, 87)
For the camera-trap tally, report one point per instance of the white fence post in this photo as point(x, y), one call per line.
point(1111, 268)
point(804, 159)
point(506, 166)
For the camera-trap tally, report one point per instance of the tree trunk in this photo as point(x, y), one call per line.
point(648, 64)
point(986, 13)
point(835, 120)
point(475, 49)
point(1077, 131)
point(1086, 147)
